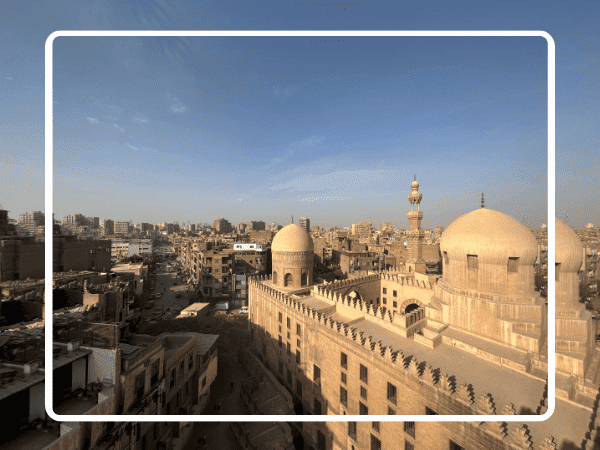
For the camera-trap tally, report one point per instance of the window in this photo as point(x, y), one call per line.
point(317, 408)
point(352, 430)
point(344, 360)
point(429, 411)
point(455, 446)
point(280, 342)
point(364, 374)
point(409, 428)
point(375, 443)
point(391, 393)
point(395, 294)
point(298, 343)
point(191, 361)
point(289, 322)
point(513, 264)
point(298, 329)
point(288, 335)
point(384, 290)
point(173, 376)
point(376, 426)
point(343, 396)
point(472, 262)
point(287, 280)
point(204, 382)
point(297, 356)
point(363, 410)
point(140, 385)
point(279, 329)
point(391, 412)
point(363, 392)
point(384, 301)
point(316, 375)
point(408, 446)
point(321, 441)
point(344, 380)
point(446, 258)
point(395, 304)
point(299, 388)
point(154, 372)
point(288, 348)
point(181, 365)
point(280, 317)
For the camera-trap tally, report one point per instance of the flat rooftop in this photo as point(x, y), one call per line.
point(569, 423)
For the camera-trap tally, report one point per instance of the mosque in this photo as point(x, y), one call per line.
point(472, 342)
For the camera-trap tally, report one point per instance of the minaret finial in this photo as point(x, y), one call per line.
point(415, 177)
point(292, 218)
point(482, 201)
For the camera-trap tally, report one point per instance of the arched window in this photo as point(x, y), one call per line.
point(287, 281)
point(304, 279)
point(410, 308)
point(274, 277)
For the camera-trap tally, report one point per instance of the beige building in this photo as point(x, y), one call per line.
point(472, 342)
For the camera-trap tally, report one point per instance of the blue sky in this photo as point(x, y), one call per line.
point(158, 129)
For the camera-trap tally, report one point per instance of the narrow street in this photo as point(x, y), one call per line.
point(232, 329)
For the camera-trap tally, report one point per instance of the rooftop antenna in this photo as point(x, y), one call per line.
point(482, 201)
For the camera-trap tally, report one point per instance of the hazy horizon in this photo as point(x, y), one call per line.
point(193, 129)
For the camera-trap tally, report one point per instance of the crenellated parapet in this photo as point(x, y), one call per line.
point(440, 384)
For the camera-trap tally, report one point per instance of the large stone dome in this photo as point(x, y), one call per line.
point(292, 238)
point(568, 248)
point(492, 236)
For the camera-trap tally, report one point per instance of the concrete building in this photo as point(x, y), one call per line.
point(222, 226)
point(122, 228)
point(304, 223)
point(361, 230)
point(472, 342)
point(108, 227)
point(256, 225)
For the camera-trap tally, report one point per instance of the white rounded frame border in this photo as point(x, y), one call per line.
point(305, 418)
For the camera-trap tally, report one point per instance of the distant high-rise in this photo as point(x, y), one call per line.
point(108, 227)
point(361, 229)
point(223, 226)
point(305, 223)
point(121, 227)
point(255, 225)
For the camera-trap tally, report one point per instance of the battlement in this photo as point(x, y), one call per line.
point(460, 395)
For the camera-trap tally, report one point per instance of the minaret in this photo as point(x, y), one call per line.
point(415, 261)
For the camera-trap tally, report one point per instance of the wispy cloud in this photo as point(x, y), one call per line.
point(175, 104)
point(9, 78)
point(294, 148)
point(280, 92)
point(347, 181)
point(118, 127)
point(112, 118)
point(92, 120)
point(280, 159)
point(131, 147)
point(140, 120)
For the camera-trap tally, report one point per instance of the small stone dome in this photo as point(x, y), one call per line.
point(414, 184)
point(492, 236)
point(292, 238)
point(568, 248)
